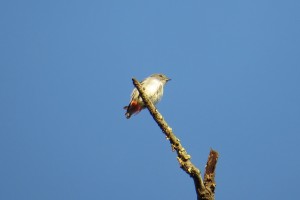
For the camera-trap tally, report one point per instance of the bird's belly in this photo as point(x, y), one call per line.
point(154, 91)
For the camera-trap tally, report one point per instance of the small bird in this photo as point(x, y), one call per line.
point(154, 88)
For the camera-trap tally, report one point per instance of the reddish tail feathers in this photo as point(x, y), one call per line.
point(132, 108)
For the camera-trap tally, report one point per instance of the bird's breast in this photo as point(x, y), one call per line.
point(152, 87)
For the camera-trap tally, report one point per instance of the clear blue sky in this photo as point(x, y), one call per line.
point(65, 75)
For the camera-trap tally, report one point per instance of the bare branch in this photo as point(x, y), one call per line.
point(203, 190)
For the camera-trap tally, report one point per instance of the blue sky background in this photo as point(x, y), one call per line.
point(65, 74)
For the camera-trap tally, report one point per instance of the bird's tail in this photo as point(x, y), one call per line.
point(132, 108)
point(127, 114)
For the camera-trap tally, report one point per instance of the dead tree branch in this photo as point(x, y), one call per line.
point(205, 190)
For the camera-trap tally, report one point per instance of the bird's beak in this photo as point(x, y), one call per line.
point(168, 79)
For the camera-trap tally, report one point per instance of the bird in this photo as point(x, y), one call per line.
point(154, 88)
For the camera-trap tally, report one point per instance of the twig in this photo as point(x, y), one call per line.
point(203, 190)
